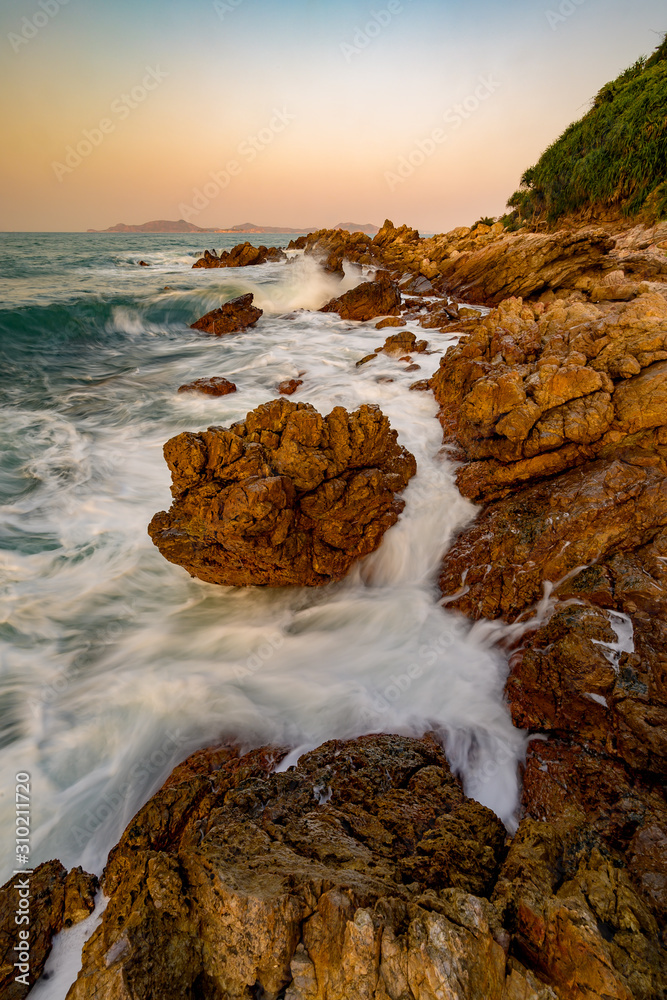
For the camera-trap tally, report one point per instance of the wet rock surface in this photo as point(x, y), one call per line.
point(363, 871)
point(216, 385)
point(368, 300)
point(286, 498)
point(55, 900)
point(233, 317)
point(242, 255)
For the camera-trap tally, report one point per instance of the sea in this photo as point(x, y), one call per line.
point(114, 664)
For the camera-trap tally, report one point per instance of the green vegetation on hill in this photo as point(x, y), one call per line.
point(613, 159)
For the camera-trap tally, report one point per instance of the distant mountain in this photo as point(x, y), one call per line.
point(166, 226)
point(356, 227)
point(250, 227)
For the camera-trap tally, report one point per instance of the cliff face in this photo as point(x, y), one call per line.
point(611, 161)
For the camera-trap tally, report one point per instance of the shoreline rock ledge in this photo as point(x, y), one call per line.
point(286, 497)
point(361, 873)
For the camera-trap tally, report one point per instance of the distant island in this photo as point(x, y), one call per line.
point(181, 226)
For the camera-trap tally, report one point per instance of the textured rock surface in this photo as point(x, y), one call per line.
point(362, 873)
point(57, 899)
point(216, 385)
point(289, 386)
point(402, 343)
point(368, 300)
point(525, 263)
point(532, 390)
point(232, 317)
point(498, 564)
point(242, 255)
point(286, 498)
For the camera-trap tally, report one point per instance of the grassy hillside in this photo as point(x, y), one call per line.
point(613, 159)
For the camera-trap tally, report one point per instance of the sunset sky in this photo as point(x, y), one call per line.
point(308, 113)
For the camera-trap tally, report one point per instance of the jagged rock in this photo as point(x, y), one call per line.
point(351, 874)
point(525, 263)
point(289, 386)
point(57, 899)
point(404, 341)
point(498, 564)
point(233, 317)
point(368, 300)
point(332, 246)
point(578, 921)
point(216, 385)
point(298, 244)
point(365, 360)
point(530, 391)
point(285, 498)
point(595, 800)
point(390, 321)
point(242, 255)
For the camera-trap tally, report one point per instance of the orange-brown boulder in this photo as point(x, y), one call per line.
point(232, 317)
point(285, 498)
point(242, 255)
point(368, 300)
point(216, 385)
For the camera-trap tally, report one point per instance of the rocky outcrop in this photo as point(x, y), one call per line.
point(289, 386)
point(497, 566)
point(216, 385)
point(233, 317)
point(53, 899)
point(403, 343)
point(363, 872)
point(285, 498)
point(525, 263)
point(368, 300)
point(242, 255)
point(532, 390)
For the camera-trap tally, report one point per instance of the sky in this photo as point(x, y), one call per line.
point(296, 113)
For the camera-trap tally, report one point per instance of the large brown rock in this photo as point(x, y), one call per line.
point(215, 385)
point(525, 263)
point(369, 299)
point(232, 317)
point(350, 875)
point(286, 498)
point(363, 872)
point(57, 899)
point(530, 391)
point(242, 255)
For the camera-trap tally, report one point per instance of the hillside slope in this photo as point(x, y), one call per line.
point(612, 161)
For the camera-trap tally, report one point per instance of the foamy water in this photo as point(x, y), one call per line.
point(116, 664)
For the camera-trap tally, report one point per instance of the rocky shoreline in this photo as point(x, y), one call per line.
point(363, 871)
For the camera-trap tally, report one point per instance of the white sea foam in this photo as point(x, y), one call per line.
point(120, 664)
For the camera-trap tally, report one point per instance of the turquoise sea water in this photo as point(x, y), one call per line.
point(114, 664)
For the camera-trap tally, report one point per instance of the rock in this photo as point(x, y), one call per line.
point(232, 317)
point(531, 391)
point(365, 360)
point(368, 300)
point(142, 263)
point(286, 498)
point(213, 386)
point(596, 800)
point(498, 564)
point(389, 321)
point(413, 368)
point(578, 922)
point(289, 386)
point(298, 244)
point(332, 246)
point(525, 263)
point(242, 255)
point(422, 385)
point(403, 341)
point(361, 872)
point(57, 899)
